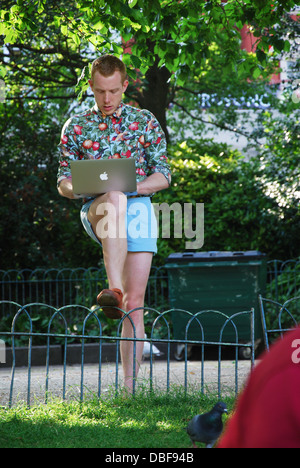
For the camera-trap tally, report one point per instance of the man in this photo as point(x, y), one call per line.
point(112, 129)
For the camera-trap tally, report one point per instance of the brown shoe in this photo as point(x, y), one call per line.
point(109, 299)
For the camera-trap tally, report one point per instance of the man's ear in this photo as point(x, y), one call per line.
point(91, 84)
point(125, 85)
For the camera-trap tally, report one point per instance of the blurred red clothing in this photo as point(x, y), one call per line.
point(267, 414)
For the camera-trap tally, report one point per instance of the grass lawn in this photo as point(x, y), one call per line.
point(146, 421)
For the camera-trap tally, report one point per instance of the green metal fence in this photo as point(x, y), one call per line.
point(283, 279)
point(278, 318)
point(60, 287)
point(91, 330)
point(55, 309)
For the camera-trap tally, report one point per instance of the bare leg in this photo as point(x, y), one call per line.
point(107, 216)
point(127, 271)
point(135, 279)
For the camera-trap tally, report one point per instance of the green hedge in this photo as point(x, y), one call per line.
point(239, 212)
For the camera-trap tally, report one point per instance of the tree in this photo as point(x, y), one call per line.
point(45, 46)
point(174, 50)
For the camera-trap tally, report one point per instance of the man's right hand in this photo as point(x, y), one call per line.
point(65, 189)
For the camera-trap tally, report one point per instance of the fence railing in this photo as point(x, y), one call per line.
point(56, 308)
point(91, 331)
point(60, 287)
point(283, 279)
point(278, 318)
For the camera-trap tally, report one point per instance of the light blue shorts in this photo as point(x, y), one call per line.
point(141, 225)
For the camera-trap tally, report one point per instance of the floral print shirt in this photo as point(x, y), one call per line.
point(128, 133)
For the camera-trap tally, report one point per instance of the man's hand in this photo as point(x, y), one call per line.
point(65, 189)
point(154, 183)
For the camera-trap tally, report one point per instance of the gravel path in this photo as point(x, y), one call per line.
point(108, 379)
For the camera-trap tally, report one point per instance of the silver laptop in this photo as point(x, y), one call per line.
point(95, 176)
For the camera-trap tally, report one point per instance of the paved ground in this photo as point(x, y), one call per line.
point(108, 379)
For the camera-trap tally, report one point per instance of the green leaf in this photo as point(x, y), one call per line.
point(57, 20)
point(132, 3)
point(256, 73)
point(64, 29)
point(82, 83)
point(76, 39)
point(131, 73)
point(261, 55)
point(287, 46)
point(136, 61)
point(41, 8)
point(15, 8)
point(3, 71)
point(85, 75)
point(3, 29)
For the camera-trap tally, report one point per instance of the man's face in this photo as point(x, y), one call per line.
point(108, 91)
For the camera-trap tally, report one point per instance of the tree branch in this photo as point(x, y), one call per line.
point(39, 98)
point(49, 50)
point(216, 124)
point(135, 96)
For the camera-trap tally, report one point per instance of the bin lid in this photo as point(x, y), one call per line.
point(214, 256)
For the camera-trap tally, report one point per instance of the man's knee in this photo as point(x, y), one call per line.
point(113, 203)
point(134, 301)
point(116, 198)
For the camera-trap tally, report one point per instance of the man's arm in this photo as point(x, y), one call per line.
point(156, 157)
point(152, 184)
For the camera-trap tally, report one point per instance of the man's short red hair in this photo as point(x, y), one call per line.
point(107, 65)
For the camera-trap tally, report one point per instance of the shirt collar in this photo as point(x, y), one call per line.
point(116, 114)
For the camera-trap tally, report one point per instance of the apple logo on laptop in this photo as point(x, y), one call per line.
point(103, 176)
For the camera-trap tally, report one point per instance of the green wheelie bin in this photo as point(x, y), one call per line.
point(228, 282)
